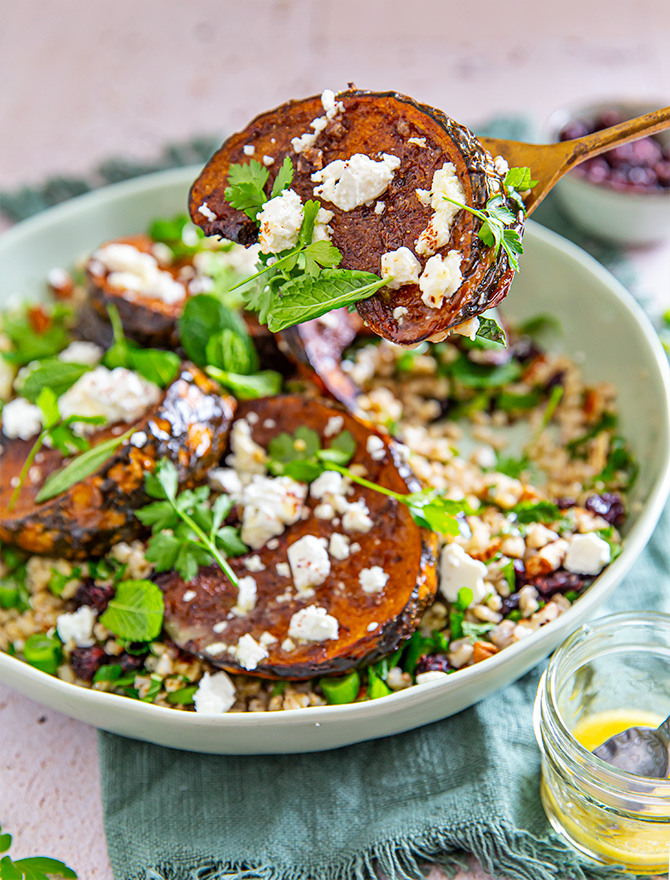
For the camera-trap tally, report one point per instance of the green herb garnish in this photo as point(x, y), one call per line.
point(490, 329)
point(35, 868)
point(535, 511)
point(154, 364)
point(136, 611)
point(183, 697)
point(54, 374)
point(43, 652)
point(267, 383)
point(341, 690)
point(31, 344)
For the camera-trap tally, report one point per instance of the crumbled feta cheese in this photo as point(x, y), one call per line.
point(206, 212)
point(220, 626)
point(457, 570)
point(249, 653)
point(77, 626)
point(356, 517)
point(431, 675)
point(401, 266)
point(380, 207)
point(324, 511)
point(132, 269)
point(501, 165)
point(313, 624)
point(254, 563)
point(215, 694)
point(339, 546)
point(309, 561)
point(216, 648)
point(322, 231)
point(350, 183)
point(328, 483)
point(118, 395)
point(399, 313)
point(270, 504)
point(440, 278)
point(376, 447)
point(268, 160)
point(283, 569)
point(587, 554)
point(280, 222)
point(248, 149)
point(373, 580)
point(372, 626)
point(328, 100)
point(225, 480)
point(21, 419)
point(538, 536)
point(288, 645)
point(246, 597)
point(467, 328)
point(77, 352)
point(436, 234)
point(419, 141)
point(240, 259)
point(267, 639)
point(248, 458)
point(189, 595)
point(333, 426)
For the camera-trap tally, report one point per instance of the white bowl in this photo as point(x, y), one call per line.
point(601, 323)
point(624, 218)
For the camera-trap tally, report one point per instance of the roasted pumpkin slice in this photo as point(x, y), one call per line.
point(149, 296)
point(189, 425)
point(331, 590)
point(425, 153)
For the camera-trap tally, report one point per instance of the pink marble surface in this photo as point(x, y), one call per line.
point(83, 81)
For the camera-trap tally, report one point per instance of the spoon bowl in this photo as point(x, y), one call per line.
point(642, 751)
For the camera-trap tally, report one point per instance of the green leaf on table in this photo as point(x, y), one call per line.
point(40, 868)
point(136, 611)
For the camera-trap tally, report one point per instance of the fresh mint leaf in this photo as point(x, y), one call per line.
point(154, 364)
point(284, 177)
point(136, 611)
point(43, 652)
point(245, 191)
point(304, 298)
point(232, 352)
point(80, 467)
point(536, 511)
point(491, 329)
point(36, 332)
point(479, 376)
point(54, 374)
point(204, 318)
point(264, 384)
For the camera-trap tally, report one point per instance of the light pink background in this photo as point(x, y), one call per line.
point(82, 81)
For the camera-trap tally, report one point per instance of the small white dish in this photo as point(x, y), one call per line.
point(620, 217)
point(602, 326)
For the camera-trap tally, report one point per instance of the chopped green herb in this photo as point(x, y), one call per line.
point(58, 581)
point(154, 364)
point(183, 697)
point(490, 329)
point(136, 611)
point(182, 237)
point(267, 383)
point(43, 652)
point(615, 546)
point(154, 689)
point(539, 326)
point(284, 177)
point(376, 687)
point(214, 335)
point(514, 615)
point(36, 868)
point(478, 376)
point(509, 401)
point(620, 460)
point(476, 630)
point(512, 467)
point(30, 344)
point(572, 595)
point(536, 511)
point(54, 374)
point(341, 690)
point(607, 422)
point(108, 673)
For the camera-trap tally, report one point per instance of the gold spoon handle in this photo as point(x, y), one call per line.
point(549, 162)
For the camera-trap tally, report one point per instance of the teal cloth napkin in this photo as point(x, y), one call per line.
point(468, 783)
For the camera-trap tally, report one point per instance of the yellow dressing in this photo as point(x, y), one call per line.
point(593, 731)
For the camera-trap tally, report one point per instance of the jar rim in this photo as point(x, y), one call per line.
point(609, 778)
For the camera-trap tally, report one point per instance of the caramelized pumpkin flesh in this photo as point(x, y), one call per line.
point(352, 588)
point(422, 148)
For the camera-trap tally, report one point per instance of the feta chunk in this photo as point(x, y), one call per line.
point(132, 269)
point(118, 395)
point(269, 505)
point(430, 676)
point(373, 580)
point(399, 313)
point(77, 626)
point(248, 458)
point(254, 563)
point(248, 149)
point(440, 278)
point(248, 652)
point(436, 234)
point(339, 546)
point(356, 517)
point(246, 597)
point(313, 624)
point(457, 570)
point(280, 222)
point(309, 561)
point(21, 419)
point(350, 183)
point(322, 231)
point(206, 212)
point(333, 426)
point(401, 266)
point(329, 483)
point(78, 352)
point(375, 447)
point(215, 694)
point(587, 554)
point(189, 596)
point(225, 480)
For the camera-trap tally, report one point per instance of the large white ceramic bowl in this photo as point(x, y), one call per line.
point(602, 325)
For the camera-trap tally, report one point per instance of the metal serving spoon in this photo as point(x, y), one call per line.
point(639, 750)
point(549, 162)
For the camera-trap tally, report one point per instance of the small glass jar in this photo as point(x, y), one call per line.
point(618, 664)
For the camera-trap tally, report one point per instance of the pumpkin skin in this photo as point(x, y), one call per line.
point(406, 553)
point(189, 425)
point(374, 123)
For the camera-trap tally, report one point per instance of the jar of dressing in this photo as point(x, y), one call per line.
point(608, 676)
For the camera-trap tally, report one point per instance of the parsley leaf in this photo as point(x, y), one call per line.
point(284, 177)
point(476, 630)
point(136, 611)
point(245, 191)
point(305, 297)
point(536, 511)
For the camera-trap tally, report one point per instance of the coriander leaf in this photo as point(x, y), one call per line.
point(264, 384)
point(536, 511)
point(310, 211)
point(512, 245)
point(475, 630)
point(136, 611)
point(304, 444)
point(37, 869)
point(162, 550)
point(220, 510)
point(190, 558)
point(164, 481)
point(304, 297)
point(160, 515)
point(497, 209)
point(245, 190)
point(520, 179)
point(80, 467)
point(228, 539)
point(284, 177)
point(302, 471)
point(319, 255)
point(54, 374)
point(341, 449)
point(491, 329)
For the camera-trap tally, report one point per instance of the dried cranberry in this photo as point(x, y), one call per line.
point(566, 503)
point(509, 603)
point(433, 663)
point(606, 119)
point(524, 349)
point(559, 582)
point(662, 170)
point(85, 662)
point(131, 662)
point(597, 170)
point(574, 129)
point(520, 578)
point(609, 506)
point(556, 380)
point(90, 593)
